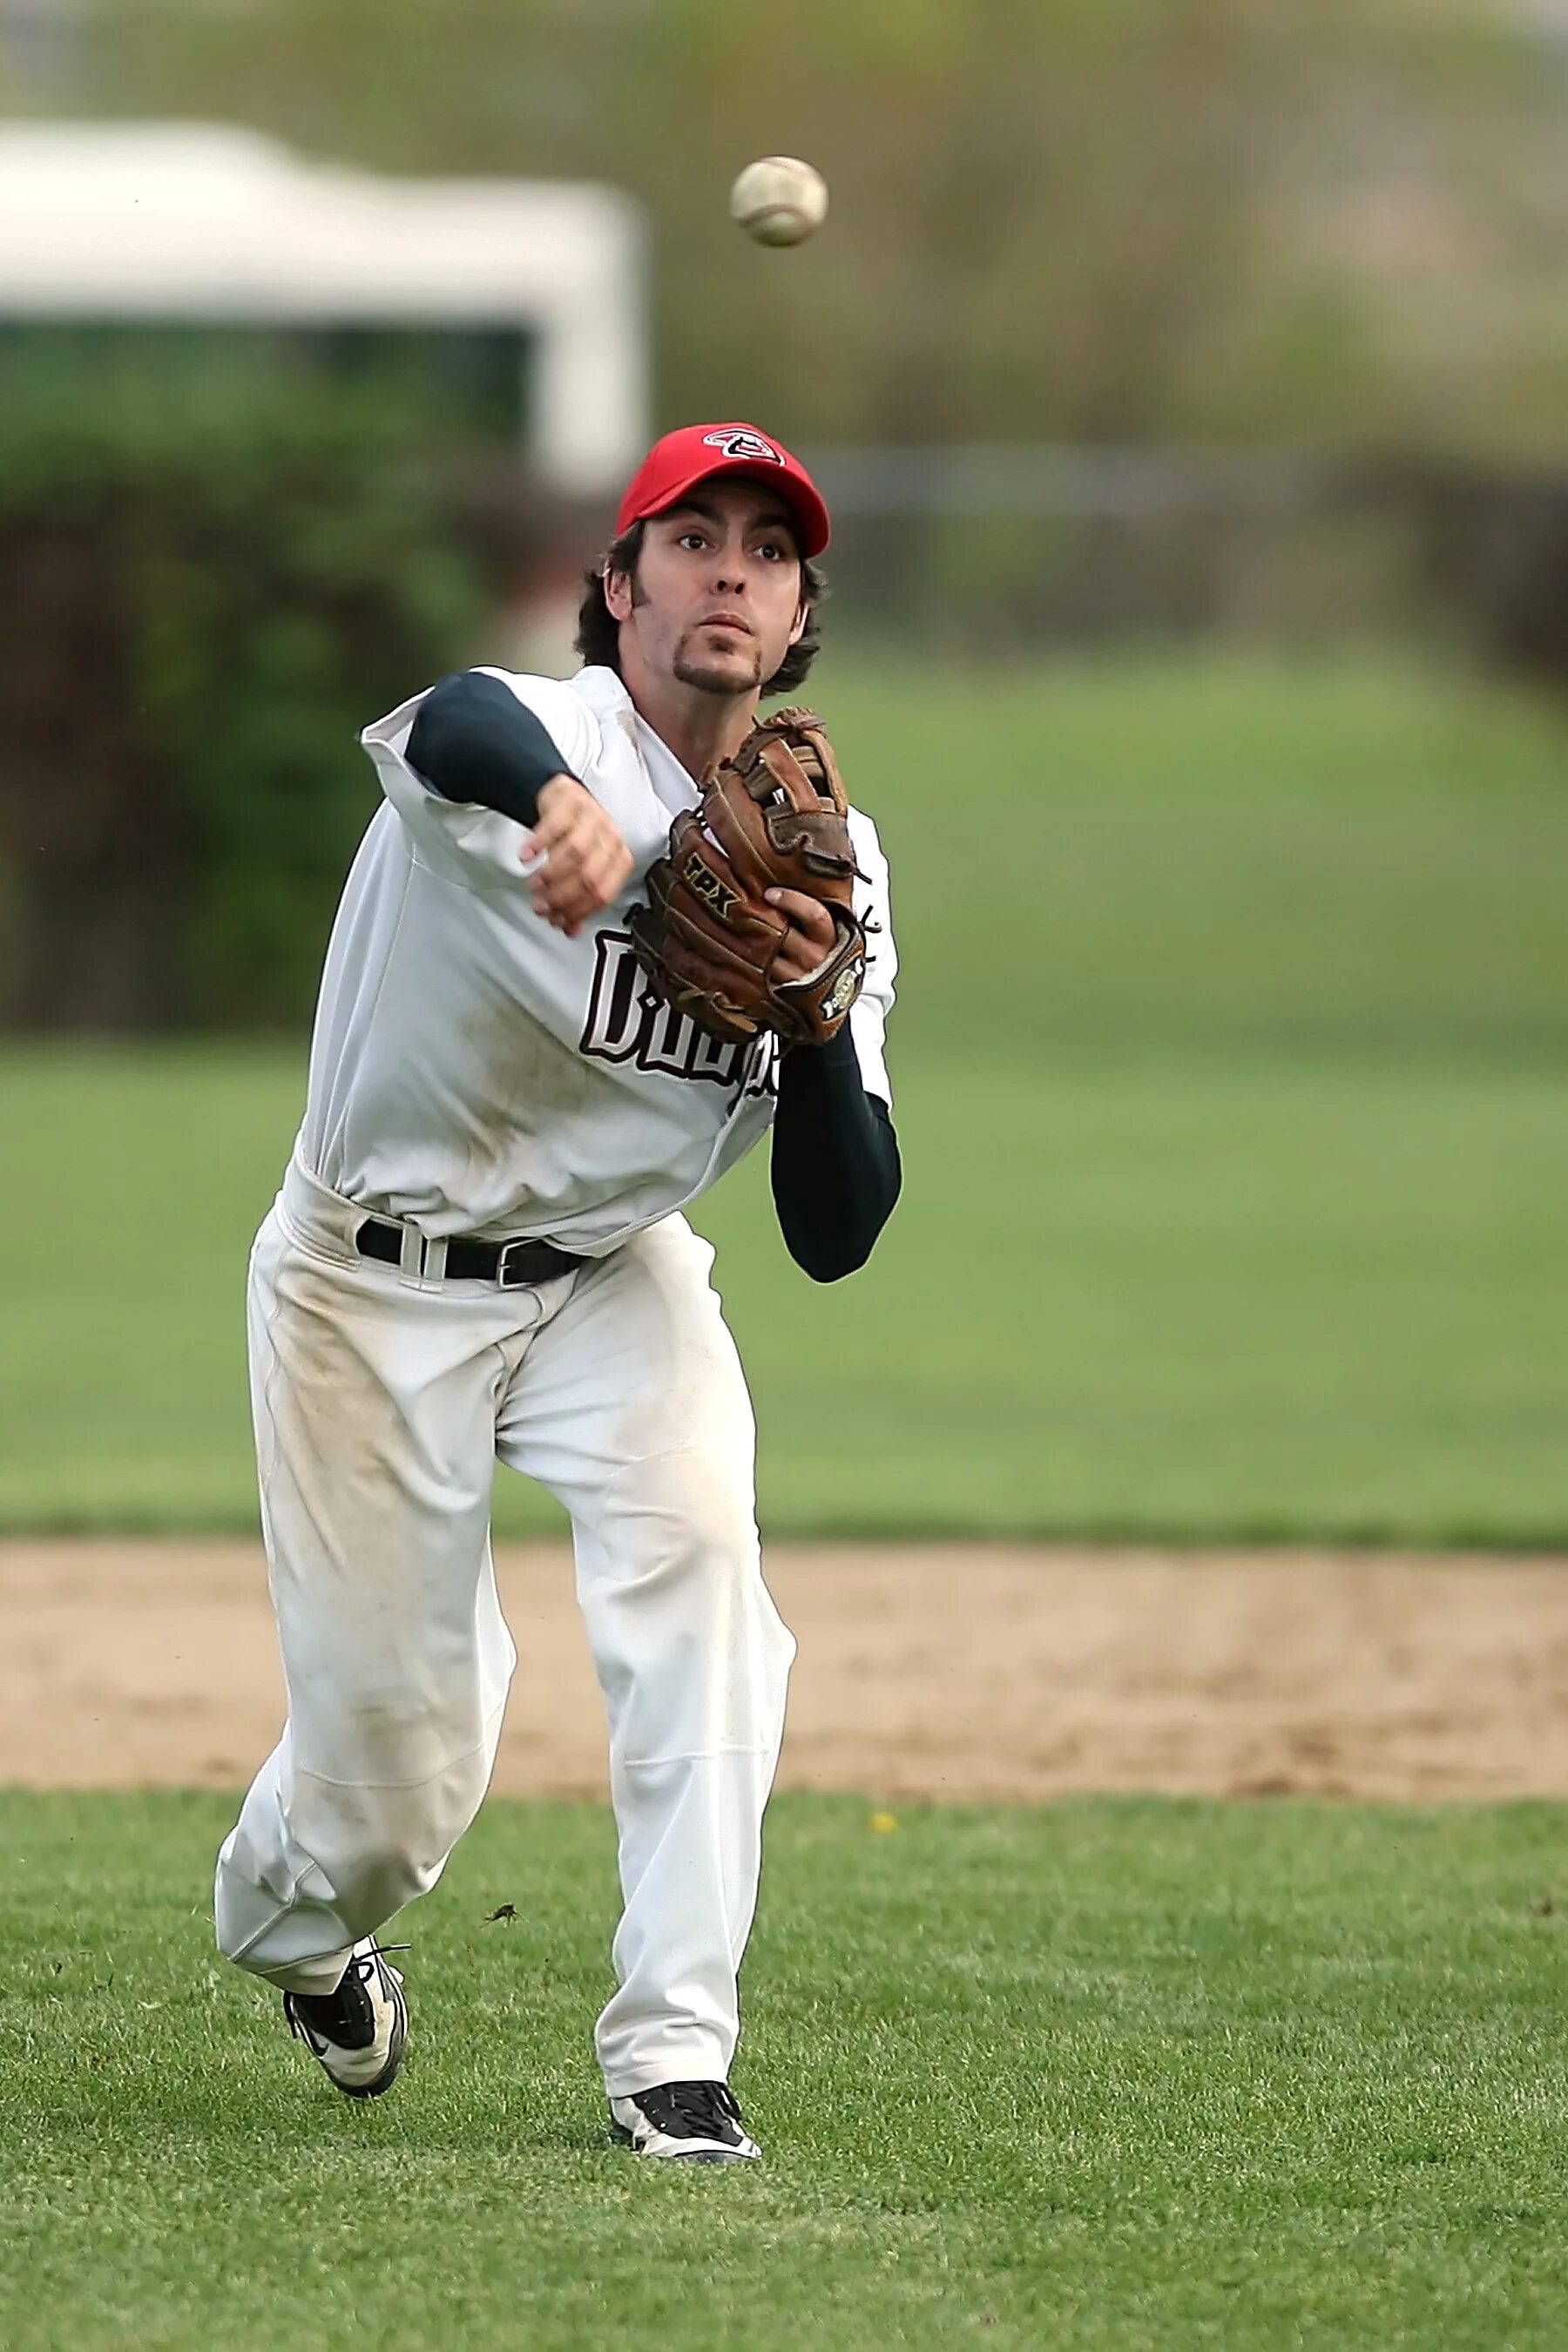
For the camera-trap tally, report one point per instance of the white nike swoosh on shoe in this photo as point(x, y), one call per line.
point(373, 2067)
point(353, 2069)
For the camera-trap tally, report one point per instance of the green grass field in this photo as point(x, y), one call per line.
point(1229, 1062)
point(1114, 2074)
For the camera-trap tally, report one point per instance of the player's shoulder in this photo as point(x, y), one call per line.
point(569, 708)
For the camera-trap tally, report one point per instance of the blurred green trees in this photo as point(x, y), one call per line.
point(1111, 220)
point(216, 569)
point(1230, 224)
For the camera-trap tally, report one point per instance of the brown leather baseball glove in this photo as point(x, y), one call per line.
point(774, 817)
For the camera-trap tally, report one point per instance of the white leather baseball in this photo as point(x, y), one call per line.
point(779, 200)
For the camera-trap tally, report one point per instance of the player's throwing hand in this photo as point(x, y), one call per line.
point(579, 862)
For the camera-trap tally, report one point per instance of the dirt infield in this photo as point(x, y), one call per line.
point(924, 1673)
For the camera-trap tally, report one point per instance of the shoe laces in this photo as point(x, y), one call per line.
point(691, 2110)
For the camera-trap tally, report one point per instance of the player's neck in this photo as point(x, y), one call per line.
point(700, 728)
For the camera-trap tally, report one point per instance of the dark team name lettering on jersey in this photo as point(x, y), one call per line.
point(628, 1023)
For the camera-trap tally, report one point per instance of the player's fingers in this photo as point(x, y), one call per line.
point(559, 911)
point(795, 954)
point(559, 849)
point(792, 962)
point(561, 873)
point(596, 873)
point(590, 869)
point(536, 850)
point(808, 915)
point(590, 856)
point(550, 903)
point(568, 900)
point(580, 875)
point(561, 917)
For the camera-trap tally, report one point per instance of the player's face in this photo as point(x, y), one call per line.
point(717, 599)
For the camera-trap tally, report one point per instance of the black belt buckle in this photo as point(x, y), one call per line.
point(512, 1272)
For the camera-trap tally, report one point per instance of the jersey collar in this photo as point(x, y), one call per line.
point(605, 693)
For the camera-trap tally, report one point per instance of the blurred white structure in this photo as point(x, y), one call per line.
point(187, 222)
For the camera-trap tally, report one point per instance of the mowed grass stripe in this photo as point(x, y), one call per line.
point(1190, 1302)
point(1107, 2074)
point(1224, 855)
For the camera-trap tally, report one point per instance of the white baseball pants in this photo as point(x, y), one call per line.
point(380, 1404)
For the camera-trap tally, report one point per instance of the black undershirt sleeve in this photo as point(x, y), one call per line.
point(836, 1171)
point(474, 741)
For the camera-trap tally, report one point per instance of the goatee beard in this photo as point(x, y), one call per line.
point(712, 680)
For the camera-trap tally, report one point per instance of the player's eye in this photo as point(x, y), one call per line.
point(691, 539)
point(773, 550)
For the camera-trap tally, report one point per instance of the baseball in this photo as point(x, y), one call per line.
point(779, 200)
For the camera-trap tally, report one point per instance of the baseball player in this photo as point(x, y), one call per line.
point(478, 1252)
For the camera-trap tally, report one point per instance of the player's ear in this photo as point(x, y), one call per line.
point(801, 615)
point(618, 596)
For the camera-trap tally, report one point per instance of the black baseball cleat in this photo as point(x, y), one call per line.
point(360, 2032)
point(686, 2123)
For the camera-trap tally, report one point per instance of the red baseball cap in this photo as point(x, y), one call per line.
point(697, 453)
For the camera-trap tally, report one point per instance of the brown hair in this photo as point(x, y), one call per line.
point(599, 632)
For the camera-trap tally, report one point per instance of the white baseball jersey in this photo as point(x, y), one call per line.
point(473, 1070)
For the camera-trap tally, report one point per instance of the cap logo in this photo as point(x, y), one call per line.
point(743, 445)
